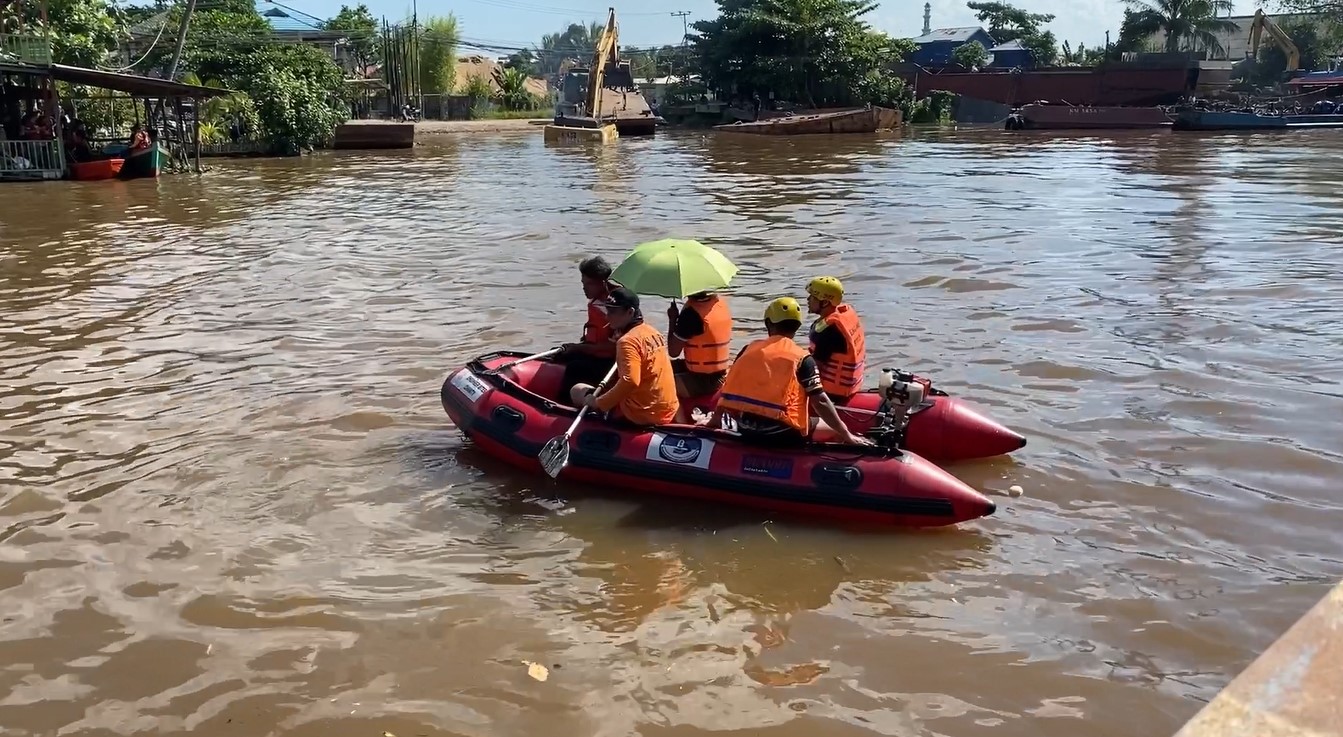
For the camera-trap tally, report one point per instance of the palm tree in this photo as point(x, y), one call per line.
point(513, 93)
point(1188, 25)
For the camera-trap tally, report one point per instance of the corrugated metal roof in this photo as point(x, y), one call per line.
point(149, 26)
point(954, 35)
point(282, 20)
point(1009, 46)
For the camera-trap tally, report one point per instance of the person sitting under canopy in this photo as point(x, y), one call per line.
point(645, 390)
point(774, 387)
point(703, 331)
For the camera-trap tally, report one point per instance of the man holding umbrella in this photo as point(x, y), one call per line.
point(703, 332)
point(689, 270)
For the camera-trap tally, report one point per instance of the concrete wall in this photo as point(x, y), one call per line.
point(1295, 689)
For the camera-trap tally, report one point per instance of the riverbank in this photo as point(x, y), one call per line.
point(479, 126)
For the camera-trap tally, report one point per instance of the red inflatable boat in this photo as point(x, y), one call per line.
point(513, 413)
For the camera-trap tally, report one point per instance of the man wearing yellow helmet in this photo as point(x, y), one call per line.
point(774, 386)
point(837, 341)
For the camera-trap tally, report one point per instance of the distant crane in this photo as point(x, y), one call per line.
point(591, 127)
point(1259, 25)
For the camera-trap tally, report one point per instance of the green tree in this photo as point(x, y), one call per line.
point(438, 55)
point(1133, 36)
point(294, 89)
point(524, 60)
point(1189, 25)
point(83, 32)
point(513, 93)
point(971, 55)
point(1009, 23)
point(1331, 10)
point(362, 33)
point(807, 50)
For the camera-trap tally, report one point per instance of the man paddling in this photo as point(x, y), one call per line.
point(588, 360)
point(774, 387)
point(645, 390)
point(837, 341)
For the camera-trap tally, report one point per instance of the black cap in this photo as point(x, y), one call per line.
point(622, 297)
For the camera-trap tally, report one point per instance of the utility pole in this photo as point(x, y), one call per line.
point(181, 38)
point(685, 32)
point(685, 26)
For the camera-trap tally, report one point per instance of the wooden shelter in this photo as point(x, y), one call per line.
point(28, 84)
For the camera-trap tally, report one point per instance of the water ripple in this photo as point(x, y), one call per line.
point(229, 498)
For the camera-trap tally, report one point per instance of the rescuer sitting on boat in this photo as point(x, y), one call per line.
point(588, 360)
point(645, 392)
point(774, 385)
point(836, 338)
point(703, 331)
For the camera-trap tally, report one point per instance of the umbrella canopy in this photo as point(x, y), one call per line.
point(674, 268)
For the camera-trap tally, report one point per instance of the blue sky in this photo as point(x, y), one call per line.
point(522, 22)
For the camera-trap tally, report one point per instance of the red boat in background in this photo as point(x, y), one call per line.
point(97, 169)
point(511, 413)
point(1150, 79)
point(1043, 116)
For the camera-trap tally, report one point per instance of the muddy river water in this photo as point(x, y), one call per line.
point(230, 502)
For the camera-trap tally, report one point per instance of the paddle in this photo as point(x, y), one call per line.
point(533, 357)
point(555, 455)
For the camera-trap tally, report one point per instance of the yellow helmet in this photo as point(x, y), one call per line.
point(783, 308)
point(826, 289)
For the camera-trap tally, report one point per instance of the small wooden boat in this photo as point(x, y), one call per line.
point(1086, 117)
point(1232, 120)
point(859, 120)
point(89, 171)
point(145, 163)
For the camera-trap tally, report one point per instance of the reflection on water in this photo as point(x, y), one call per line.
point(231, 503)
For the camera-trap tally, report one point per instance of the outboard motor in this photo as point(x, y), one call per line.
point(902, 394)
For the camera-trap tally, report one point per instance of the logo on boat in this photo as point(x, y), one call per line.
point(775, 468)
point(680, 449)
point(467, 383)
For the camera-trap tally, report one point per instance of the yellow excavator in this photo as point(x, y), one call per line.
point(1259, 25)
point(588, 124)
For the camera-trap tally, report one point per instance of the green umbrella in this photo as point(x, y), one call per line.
point(674, 268)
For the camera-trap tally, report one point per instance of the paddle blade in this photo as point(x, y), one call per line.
point(555, 455)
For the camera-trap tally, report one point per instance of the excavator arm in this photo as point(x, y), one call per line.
point(607, 51)
point(1263, 22)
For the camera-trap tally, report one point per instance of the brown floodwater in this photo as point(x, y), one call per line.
point(232, 505)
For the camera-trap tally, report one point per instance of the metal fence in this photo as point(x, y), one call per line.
point(31, 160)
point(29, 49)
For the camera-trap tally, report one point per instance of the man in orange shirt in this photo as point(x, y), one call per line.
point(645, 392)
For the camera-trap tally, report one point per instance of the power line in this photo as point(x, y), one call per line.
point(685, 27)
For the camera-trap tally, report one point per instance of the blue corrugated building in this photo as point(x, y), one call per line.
point(1011, 54)
point(934, 48)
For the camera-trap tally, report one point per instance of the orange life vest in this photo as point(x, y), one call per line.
point(707, 353)
point(763, 381)
point(596, 329)
point(842, 374)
